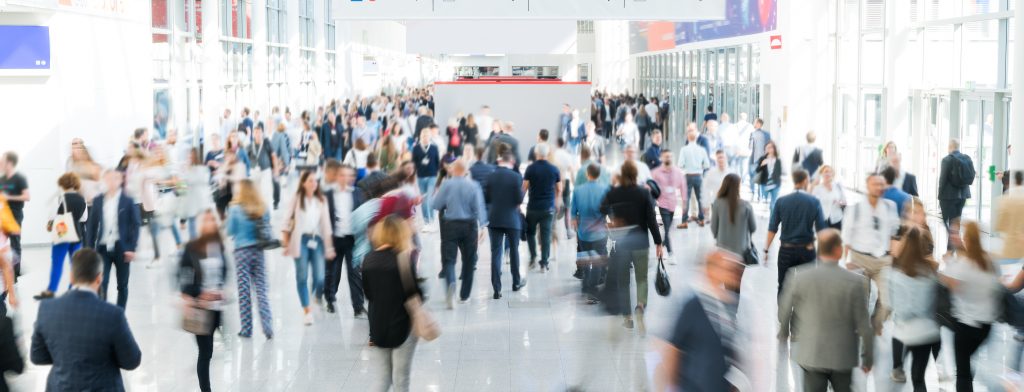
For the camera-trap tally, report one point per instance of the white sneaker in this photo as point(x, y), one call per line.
point(308, 320)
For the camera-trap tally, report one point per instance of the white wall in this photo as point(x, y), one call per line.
point(100, 90)
point(491, 36)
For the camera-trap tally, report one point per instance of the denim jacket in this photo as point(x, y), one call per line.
point(241, 228)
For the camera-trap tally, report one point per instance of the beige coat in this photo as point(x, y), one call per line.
point(1010, 223)
point(294, 246)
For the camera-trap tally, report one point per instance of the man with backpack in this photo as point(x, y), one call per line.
point(955, 180)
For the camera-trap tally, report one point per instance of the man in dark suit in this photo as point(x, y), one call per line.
point(953, 190)
point(906, 181)
point(114, 234)
point(87, 340)
point(342, 198)
point(503, 195)
point(480, 171)
point(505, 137)
point(10, 354)
point(702, 348)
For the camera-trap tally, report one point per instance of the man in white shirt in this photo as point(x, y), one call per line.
point(113, 230)
point(693, 159)
point(868, 231)
point(743, 131)
point(713, 180)
point(484, 125)
point(341, 201)
point(594, 142)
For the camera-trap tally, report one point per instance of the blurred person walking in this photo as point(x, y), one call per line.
point(732, 219)
point(956, 175)
point(307, 228)
point(631, 209)
point(503, 195)
point(248, 223)
point(14, 187)
point(913, 285)
point(758, 144)
point(672, 182)
point(693, 159)
point(800, 216)
point(112, 229)
point(592, 228)
point(976, 295)
point(543, 183)
point(202, 273)
point(830, 194)
point(460, 204)
point(428, 163)
point(70, 202)
point(869, 231)
point(90, 355)
point(342, 199)
point(769, 174)
point(390, 281)
point(824, 294)
point(702, 352)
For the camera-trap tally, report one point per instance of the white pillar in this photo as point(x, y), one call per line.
point(211, 68)
point(1016, 157)
point(260, 60)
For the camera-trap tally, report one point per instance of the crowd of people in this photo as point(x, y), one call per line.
point(372, 175)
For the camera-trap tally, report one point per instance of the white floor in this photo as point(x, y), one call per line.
point(543, 338)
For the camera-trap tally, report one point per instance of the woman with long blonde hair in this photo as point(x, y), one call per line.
point(389, 280)
point(976, 296)
point(248, 224)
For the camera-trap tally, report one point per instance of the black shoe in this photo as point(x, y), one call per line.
point(497, 295)
point(578, 274)
point(330, 307)
point(361, 313)
point(521, 284)
point(43, 295)
point(533, 263)
point(440, 275)
point(243, 336)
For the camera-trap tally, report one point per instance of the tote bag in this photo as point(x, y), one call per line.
point(62, 230)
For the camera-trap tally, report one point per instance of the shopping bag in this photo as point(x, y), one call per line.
point(62, 230)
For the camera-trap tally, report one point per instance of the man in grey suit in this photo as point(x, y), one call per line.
point(826, 306)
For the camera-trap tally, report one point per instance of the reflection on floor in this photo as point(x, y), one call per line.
point(543, 338)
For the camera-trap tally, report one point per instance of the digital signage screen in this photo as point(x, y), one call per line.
point(24, 50)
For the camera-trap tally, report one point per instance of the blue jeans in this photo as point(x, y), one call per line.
point(545, 220)
point(57, 262)
point(751, 175)
point(459, 236)
point(427, 190)
point(772, 196)
point(310, 258)
point(693, 187)
point(508, 238)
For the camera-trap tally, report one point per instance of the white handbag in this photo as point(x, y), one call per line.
point(62, 228)
point(917, 331)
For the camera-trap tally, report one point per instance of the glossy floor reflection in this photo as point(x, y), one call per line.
point(543, 338)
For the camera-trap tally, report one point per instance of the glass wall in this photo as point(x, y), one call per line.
point(277, 50)
point(723, 78)
point(236, 41)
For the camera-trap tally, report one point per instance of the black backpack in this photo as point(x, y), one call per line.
point(962, 173)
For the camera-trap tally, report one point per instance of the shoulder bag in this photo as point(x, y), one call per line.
point(661, 282)
point(264, 235)
point(750, 257)
point(423, 324)
point(196, 320)
point(62, 227)
point(8, 224)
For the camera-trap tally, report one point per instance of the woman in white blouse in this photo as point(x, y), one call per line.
point(831, 196)
point(976, 295)
point(307, 235)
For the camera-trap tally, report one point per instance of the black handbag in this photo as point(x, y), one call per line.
point(661, 282)
point(750, 257)
point(1013, 310)
point(265, 238)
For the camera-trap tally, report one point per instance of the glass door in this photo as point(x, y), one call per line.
point(976, 139)
point(936, 135)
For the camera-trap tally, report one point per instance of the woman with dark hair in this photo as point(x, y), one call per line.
point(769, 173)
point(913, 286)
point(201, 275)
point(69, 201)
point(732, 218)
point(631, 209)
point(307, 228)
point(468, 130)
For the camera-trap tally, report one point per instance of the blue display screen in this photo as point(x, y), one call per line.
point(24, 47)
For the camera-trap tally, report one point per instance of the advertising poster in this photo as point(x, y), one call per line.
point(743, 17)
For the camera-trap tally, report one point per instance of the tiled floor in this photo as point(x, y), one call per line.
point(543, 338)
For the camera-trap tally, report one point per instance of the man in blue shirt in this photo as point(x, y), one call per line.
point(462, 205)
point(800, 215)
point(591, 226)
point(893, 193)
point(543, 181)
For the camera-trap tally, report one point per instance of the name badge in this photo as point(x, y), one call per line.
point(312, 244)
point(425, 161)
